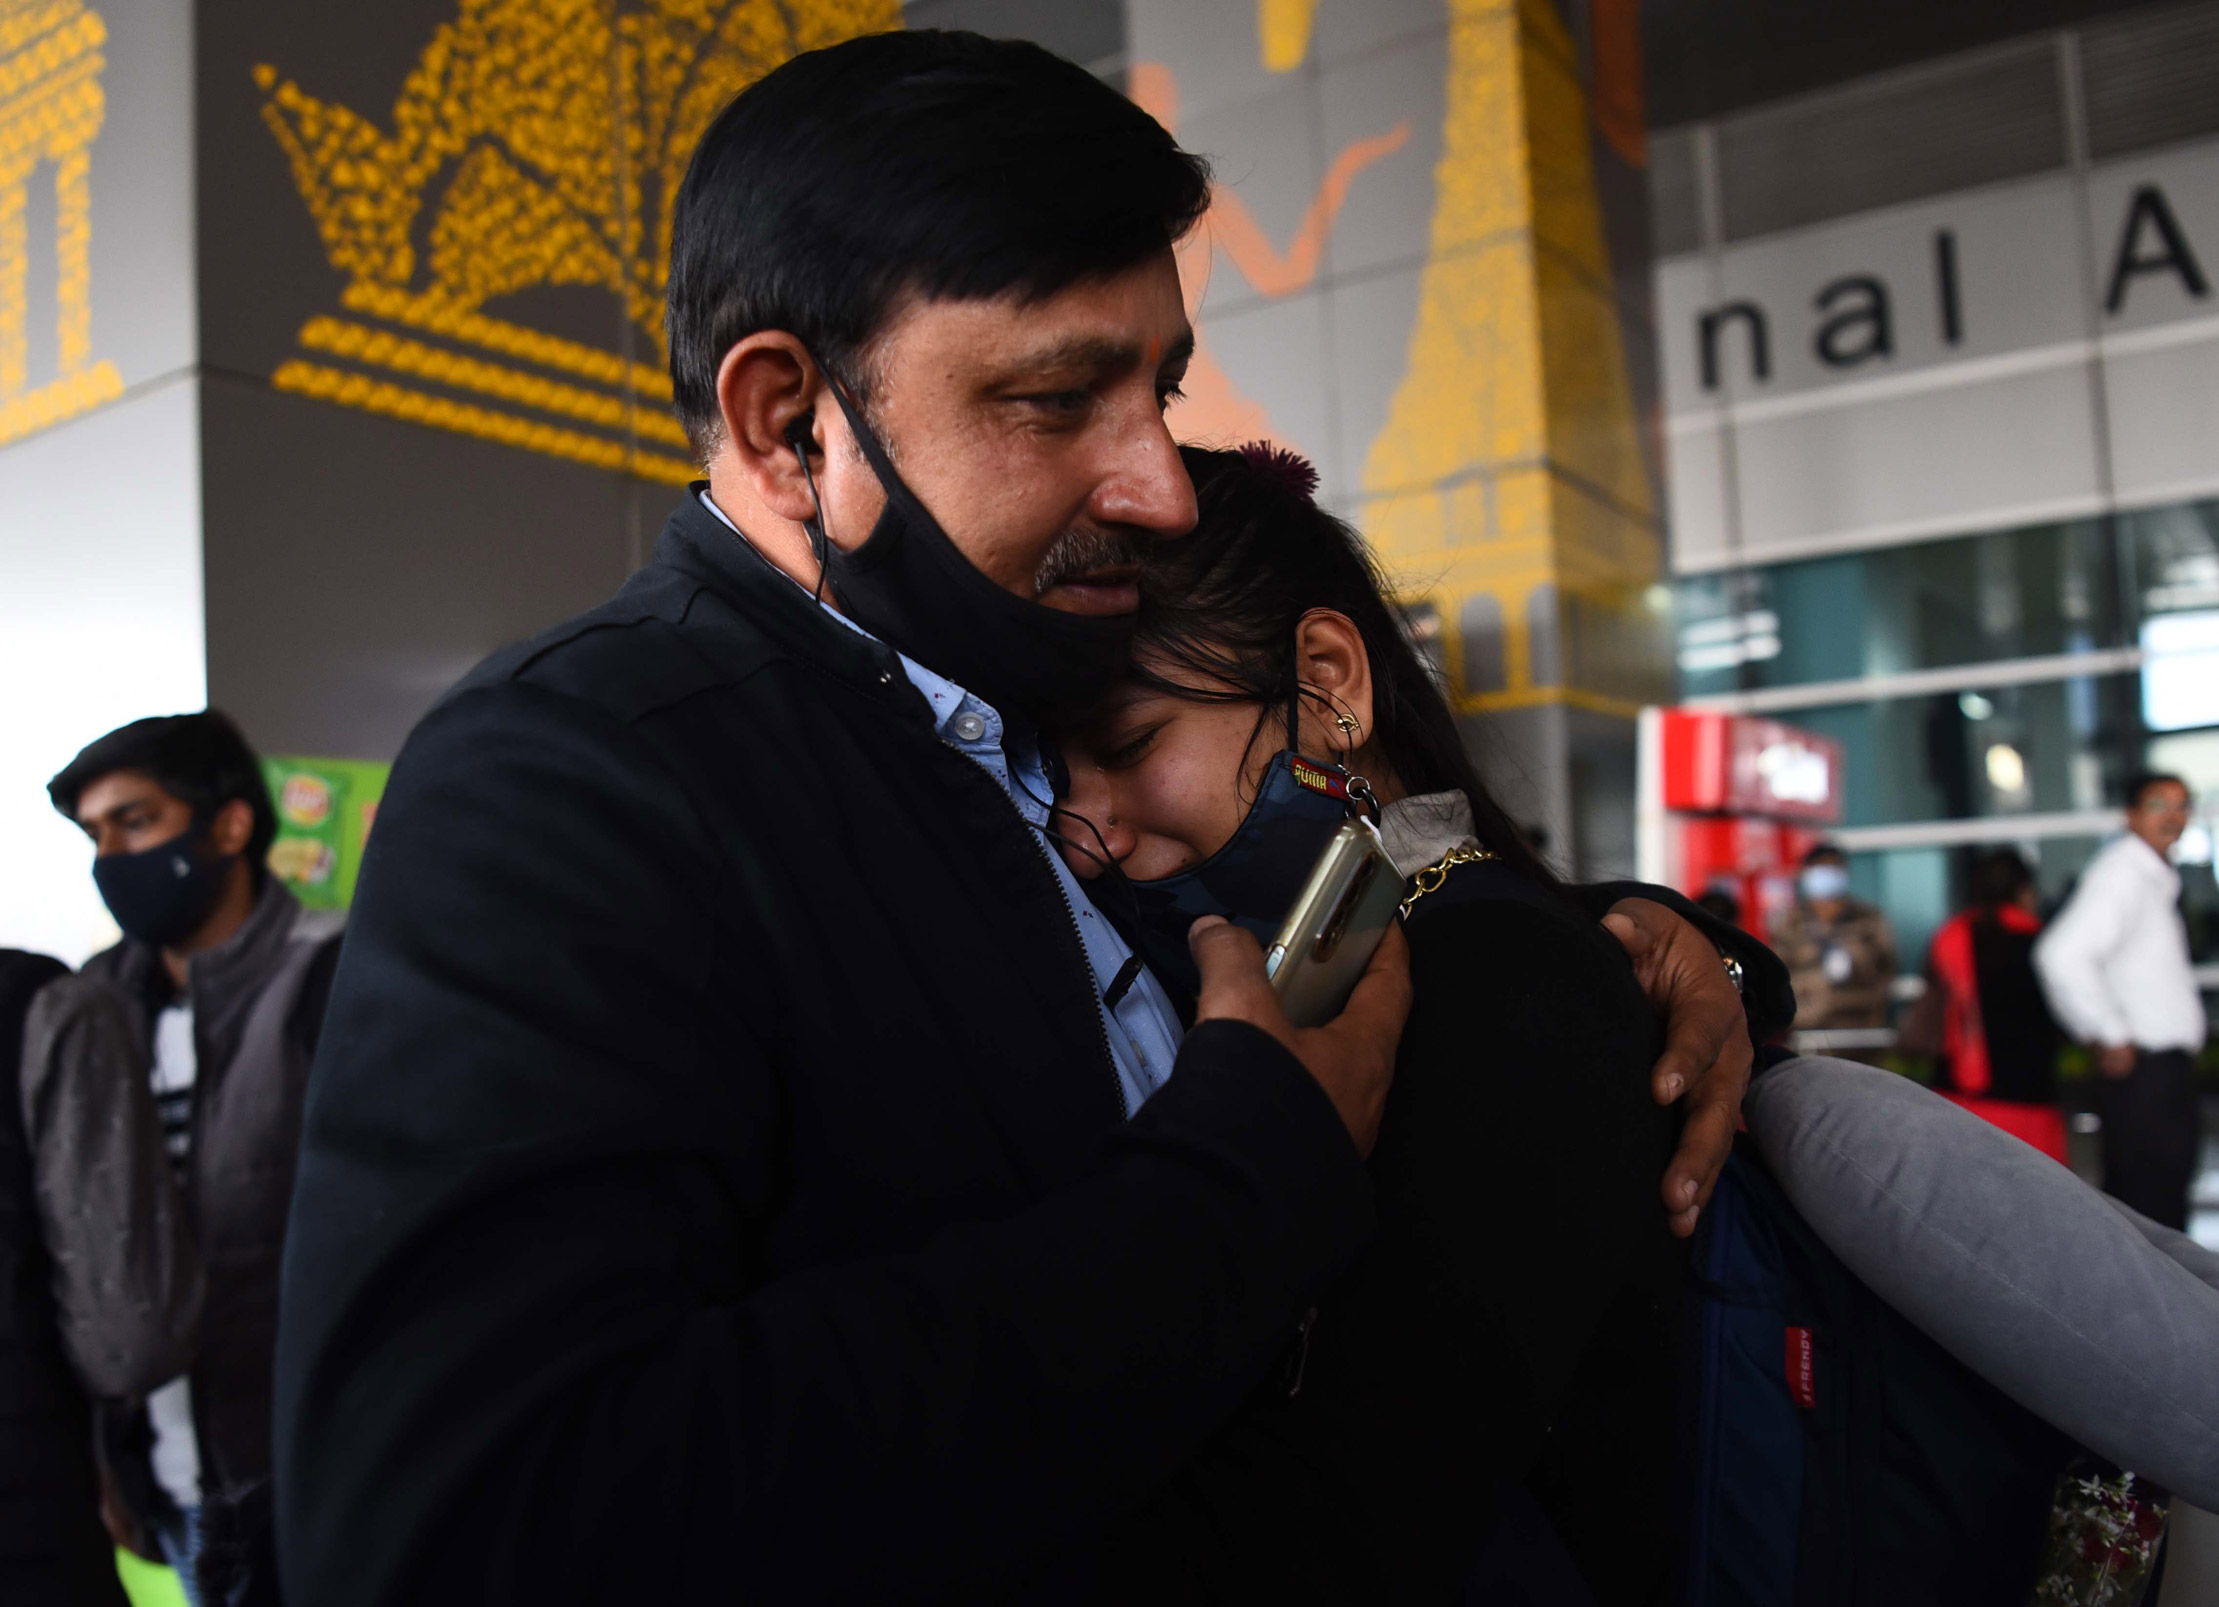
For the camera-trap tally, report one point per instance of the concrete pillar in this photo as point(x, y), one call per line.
point(1510, 488)
point(100, 530)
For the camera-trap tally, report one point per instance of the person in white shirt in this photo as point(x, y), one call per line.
point(2115, 966)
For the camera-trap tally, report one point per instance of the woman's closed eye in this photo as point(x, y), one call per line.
point(1123, 750)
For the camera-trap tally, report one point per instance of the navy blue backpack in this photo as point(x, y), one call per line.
point(1840, 1458)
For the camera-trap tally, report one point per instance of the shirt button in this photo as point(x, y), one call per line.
point(969, 727)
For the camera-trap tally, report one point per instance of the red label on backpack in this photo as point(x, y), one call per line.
point(1799, 1369)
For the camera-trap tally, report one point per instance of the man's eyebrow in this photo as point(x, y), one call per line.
point(1092, 352)
point(1096, 355)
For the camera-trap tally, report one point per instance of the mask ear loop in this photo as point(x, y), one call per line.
point(798, 437)
point(1361, 799)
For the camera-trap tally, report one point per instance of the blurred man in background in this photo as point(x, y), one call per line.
point(51, 1550)
point(1985, 1021)
point(224, 984)
point(1840, 952)
point(2115, 966)
point(99, 1288)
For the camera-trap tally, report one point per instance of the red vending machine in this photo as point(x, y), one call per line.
point(1732, 802)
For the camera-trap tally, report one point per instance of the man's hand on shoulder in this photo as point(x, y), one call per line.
point(1352, 1056)
point(1707, 1053)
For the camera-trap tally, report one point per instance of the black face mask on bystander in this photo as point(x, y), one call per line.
point(160, 894)
point(911, 587)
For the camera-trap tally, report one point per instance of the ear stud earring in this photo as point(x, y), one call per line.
point(1347, 723)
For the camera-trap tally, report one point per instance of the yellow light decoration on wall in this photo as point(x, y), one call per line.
point(51, 109)
point(548, 139)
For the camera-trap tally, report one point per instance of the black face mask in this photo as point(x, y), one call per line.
point(159, 894)
point(1252, 881)
point(911, 587)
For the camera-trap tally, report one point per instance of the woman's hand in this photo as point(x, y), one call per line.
point(1707, 1053)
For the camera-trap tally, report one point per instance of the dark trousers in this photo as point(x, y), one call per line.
point(2151, 1134)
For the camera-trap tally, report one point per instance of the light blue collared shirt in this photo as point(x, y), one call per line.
point(1143, 1029)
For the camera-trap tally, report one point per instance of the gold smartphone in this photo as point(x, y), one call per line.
point(1328, 937)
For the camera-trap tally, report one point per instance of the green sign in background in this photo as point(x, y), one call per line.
point(325, 808)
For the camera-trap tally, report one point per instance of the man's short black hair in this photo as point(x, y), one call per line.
point(936, 163)
point(2142, 781)
point(200, 759)
point(1825, 854)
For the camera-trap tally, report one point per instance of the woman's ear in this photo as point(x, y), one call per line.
point(1335, 672)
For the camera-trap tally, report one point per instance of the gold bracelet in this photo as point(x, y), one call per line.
point(1429, 880)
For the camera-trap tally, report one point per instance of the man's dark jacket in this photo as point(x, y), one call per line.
point(716, 1183)
point(53, 1552)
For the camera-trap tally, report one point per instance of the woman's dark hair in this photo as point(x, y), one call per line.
point(1218, 613)
point(1999, 876)
point(936, 163)
point(201, 759)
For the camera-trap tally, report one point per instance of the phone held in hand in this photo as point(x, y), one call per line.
point(1335, 925)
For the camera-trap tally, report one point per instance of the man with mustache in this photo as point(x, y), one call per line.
point(739, 1163)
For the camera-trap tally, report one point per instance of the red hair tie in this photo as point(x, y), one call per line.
point(1290, 469)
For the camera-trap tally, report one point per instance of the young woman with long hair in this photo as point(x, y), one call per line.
point(1482, 1367)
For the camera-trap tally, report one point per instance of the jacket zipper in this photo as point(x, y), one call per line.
point(1040, 848)
point(1298, 1354)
